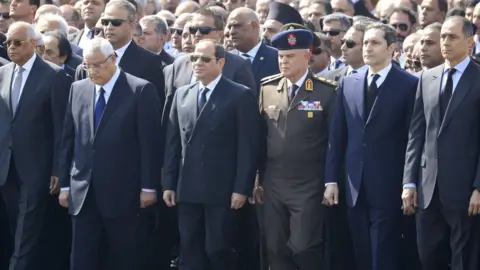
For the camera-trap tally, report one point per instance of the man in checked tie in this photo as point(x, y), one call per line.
point(296, 107)
point(109, 160)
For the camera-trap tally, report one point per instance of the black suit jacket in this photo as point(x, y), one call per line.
point(166, 58)
point(236, 68)
point(74, 61)
point(4, 53)
point(70, 71)
point(122, 157)
point(445, 153)
point(32, 137)
point(140, 63)
point(210, 157)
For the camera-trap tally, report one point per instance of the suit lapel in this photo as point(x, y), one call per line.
point(463, 87)
point(114, 99)
point(190, 105)
point(358, 93)
point(90, 102)
point(128, 57)
point(213, 102)
point(259, 60)
point(35, 72)
point(7, 85)
point(435, 87)
point(187, 71)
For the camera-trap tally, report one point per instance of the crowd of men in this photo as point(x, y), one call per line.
point(240, 135)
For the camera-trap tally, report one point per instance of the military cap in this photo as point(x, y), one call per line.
point(293, 39)
point(284, 13)
point(290, 26)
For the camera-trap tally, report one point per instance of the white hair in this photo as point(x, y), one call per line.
point(28, 28)
point(52, 17)
point(96, 45)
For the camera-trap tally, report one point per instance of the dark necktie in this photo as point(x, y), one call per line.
point(293, 92)
point(91, 34)
point(246, 56)
point(353, 72)
point(371, 95)
point(337, 63)
point(203, 99)
point(99, 107)
point(446, 94)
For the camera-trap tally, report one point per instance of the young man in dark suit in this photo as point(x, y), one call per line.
point(210, 160)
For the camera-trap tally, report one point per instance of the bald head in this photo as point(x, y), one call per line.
point(245, 13)
point(166, 15)
point(47, 9)
point(244, 29)
point(187, 7)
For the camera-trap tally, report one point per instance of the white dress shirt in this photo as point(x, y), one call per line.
point(299, 83)
point(333, 60)
point(27, 68)
point(477, 44)
point(460, 67)
point(358, 70)
point(253, 52)
point(211, 86)
point(382, 75)
point(120, 52)
point(84, 38)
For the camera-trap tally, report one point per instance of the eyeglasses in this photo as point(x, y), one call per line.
point(176, 30)
point(14, 42)
point(349, 43)
point(204, 30)
point(401, 26)
point(114, 22)
point(333, 32)
point(5, 15)
point(317, 51)
point(203, 58)
point(95, 66)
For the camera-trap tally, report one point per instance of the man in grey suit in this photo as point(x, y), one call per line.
point(442, 166)
point(206, 24)
point(109, 159)
point(34, 95)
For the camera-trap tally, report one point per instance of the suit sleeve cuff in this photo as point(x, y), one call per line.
point(65, 189)
point(410, 185)
point(330, 183)
point(148, 190)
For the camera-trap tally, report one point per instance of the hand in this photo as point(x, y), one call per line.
point(54, 187)
point(169, 197)
point(330, 196)
point(257, 195)
point(147, 198)
point(64, 197)
point(474, 207)
point(409, 200)
point(238, 200)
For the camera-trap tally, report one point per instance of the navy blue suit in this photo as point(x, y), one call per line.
point(371, 150)
point(206, 160)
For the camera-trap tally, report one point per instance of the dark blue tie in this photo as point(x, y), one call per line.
point(99, 108)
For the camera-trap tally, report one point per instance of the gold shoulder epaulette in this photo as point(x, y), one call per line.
point(271, 78)
point(327, 81)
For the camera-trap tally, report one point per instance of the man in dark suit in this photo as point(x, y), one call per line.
point(210, 160)
point(58, 51)
point(206, 24)
point(442, 165)
point(34, 97)
point(244, 28)
point(154, 32)
point(368, 138)
point(108, 152)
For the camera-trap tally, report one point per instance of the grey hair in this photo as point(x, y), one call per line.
point(361, 26)
point(436, 26)
point(467, 26)
point(389, 33)
point(96, 45)
point(161, 26)
point(31, 35)
point(52, 17)
point(123, 4)
point(338, 17)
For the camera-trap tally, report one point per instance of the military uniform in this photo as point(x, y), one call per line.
point(293, 169)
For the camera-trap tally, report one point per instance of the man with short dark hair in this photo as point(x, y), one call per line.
point(430, 52)
point(343, 6)
point(335, 26)
point(211, 158)
point(403, 20)
point(441, 182)
point(58, 51)
point(432, 11)
point(24, 10)
point(367, 141)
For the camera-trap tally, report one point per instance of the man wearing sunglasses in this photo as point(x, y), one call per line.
point(351, 52)
point(34, 97)
point(5, 20)
point(403, 20)
point(367, 143)
point(213, 142)
point(296, 107)
point(176, 32)
point(334, 26)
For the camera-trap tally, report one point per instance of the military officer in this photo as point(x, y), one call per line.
point(296, 107)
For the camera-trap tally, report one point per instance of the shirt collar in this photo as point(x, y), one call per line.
point(29, 64)
point(322, 72)
point(460, 67)
point(382, 73)
point(253, 52)
point(359, 70)
point(121, 51)
point(299, 83)
point(212, 84)
point(108, 87)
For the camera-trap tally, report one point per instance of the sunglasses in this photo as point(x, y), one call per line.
point(333, 33)
point(317, 51)
point(349, 43)
point(5, 15)
point(114, 22)
point(14, 42)
point(204, 30)
point(204, 59)
point(401, 26)
point(176, 30)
